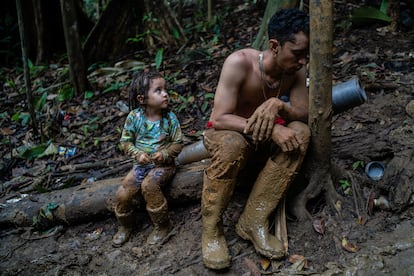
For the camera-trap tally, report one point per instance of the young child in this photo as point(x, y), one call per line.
point(152, 137)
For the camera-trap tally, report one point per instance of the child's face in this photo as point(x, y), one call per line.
point(157, 95)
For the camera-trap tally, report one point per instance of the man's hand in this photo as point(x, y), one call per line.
point(262, 121)
point(286, 138)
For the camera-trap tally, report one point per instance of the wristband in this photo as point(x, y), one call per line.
point(279, 121)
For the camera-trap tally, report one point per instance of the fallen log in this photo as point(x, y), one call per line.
point(92, 201)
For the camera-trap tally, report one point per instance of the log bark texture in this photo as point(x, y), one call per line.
point(92, 201)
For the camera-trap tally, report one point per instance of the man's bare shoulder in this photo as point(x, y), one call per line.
point(243, 57)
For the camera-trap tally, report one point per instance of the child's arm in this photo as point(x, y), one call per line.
point(175, 146)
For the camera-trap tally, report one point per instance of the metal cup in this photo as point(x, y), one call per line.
point(347, 95)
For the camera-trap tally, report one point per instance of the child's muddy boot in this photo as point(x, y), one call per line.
point(162, 223)
point(126, 221)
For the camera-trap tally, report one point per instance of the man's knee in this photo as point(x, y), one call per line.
point(229, 146)
point(229, 151)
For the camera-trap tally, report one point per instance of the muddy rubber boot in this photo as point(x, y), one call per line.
point(162, 223)
point(126, 220)
point(215, 197)
point(253, 225)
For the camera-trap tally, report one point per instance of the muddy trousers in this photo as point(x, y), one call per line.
point(156, 204)
point(229, 151)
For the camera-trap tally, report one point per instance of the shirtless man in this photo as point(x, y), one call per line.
point(249, 119)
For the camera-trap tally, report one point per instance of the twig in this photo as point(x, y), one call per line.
point(93, 165)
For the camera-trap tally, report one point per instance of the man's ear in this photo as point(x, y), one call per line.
point(274, 45)
point(141, 99)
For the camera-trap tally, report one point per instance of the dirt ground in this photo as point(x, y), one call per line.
point(383, 242)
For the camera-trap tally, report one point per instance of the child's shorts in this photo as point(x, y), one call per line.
point(140, 172)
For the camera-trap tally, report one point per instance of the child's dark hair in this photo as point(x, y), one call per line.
point(285, 23)
point(140, 85)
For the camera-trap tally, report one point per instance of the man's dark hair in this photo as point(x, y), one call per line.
point(287, 22)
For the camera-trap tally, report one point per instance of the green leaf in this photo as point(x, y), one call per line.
point(25, 117)
point(158, 58)
point(4, 115)
point(33, 152)
point(364, 14)
point(176, 34)
point(66, 93)
point(204, 106)
point(113, 87)
point(89, 94)
point(209, 96)
point(357, 164)
point(41, 102)
point(384, 6)
point(344, 184)
point(15, 117)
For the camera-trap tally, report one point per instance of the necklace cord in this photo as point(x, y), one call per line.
point(264, 81)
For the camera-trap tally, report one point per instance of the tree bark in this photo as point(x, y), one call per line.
point(77, 67)
point(93, 201)
point(29, 96)
point(108, 41)
point(161, 26)
point(318, 164)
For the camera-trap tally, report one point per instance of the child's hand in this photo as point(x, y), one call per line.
point(158, 157)
point(144, 159)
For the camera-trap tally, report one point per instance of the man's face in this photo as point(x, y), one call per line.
point(293, 55)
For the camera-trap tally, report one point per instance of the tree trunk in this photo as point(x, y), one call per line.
point(107, 41)
point(92, 201)
point(271, 8)
point(77, 67)
point(40, 34)
point(318, 165)
point(29, 96)
point(162, 26)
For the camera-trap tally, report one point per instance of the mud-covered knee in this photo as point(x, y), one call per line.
point(125, 194)
point(233, 148)
point(149, 185)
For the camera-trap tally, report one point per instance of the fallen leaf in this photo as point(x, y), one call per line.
point(298, 262)
point(348, 246)
point(265, 263)
point(319, 226)
point(338, 205)
point(294, 258)
point(7, 131)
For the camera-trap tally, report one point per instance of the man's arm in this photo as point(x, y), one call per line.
point(233, 74)
point(298, 107)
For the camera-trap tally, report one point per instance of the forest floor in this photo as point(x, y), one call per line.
point(364, 239)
